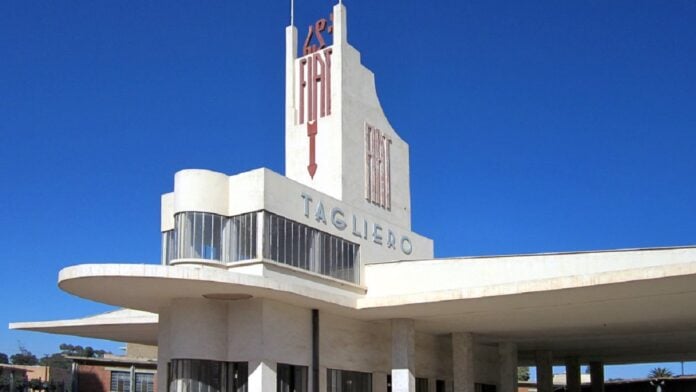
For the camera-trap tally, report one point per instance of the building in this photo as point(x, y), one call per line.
point(13, 376)
point(314, 281)
point(113, 373)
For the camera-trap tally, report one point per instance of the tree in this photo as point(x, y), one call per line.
point(56, 360)
point(523, 373)
point(24, 357)
point(4, 359)
point(660, 372)
point(79, 351)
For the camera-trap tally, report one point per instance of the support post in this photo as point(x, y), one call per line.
point(262, 376)
point(463, 362)
point(508, 367)
point(597, 376)
point(315, 350)
point(132, 378)
point(403, 355)
point(573, 380)
point(544, 371)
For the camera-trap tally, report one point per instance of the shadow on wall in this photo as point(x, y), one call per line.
point(90, 382)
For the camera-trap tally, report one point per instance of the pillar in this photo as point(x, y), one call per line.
point(262, 376)
point(163, 356)
point(544, 371)
point(403, 355)
point(573, 380)
point(508, 367)
point(463, 362)
point(597, 376)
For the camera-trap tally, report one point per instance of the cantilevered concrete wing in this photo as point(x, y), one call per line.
point(123, 325)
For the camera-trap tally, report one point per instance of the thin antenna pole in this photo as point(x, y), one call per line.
point(292, 12)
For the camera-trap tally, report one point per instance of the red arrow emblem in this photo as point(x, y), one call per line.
point(312, 133)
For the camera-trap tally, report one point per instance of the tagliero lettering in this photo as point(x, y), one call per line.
point(360, 227)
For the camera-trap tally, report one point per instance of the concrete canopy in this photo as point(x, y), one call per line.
point(123, 325)
point(609, 311)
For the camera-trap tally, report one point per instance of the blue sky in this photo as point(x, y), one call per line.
point(534, 126)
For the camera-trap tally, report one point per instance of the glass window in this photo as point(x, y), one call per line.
point(484, 387)
point(301, 246)
point(200, 235)
point(120, 381)
point(291, 378)
point(347, 381)
point(421, 384)
point(195, 375)
point(240, 238)
point(168, 246)
point(144, 382)
point(439, 385)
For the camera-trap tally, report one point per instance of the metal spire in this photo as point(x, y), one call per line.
point(292, 12)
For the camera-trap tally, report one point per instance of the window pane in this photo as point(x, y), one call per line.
point(120, 381)
point(144, 382)
point(301, 246)
point(194, 375)
point(347, 381)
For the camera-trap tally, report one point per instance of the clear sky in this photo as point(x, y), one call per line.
point(534, 126)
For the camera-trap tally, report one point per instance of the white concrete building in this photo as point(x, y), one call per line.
point(314, 281)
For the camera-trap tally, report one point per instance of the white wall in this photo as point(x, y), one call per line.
point(203, 190)
point(263, 330)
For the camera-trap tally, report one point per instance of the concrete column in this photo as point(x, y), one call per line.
point(403, 355)
point(463, 362)
point(544, 371)
point(262, 376)
point(508, 367)
point(597, 376)
point(163, 356)
point(132, 378)
point(573, 380)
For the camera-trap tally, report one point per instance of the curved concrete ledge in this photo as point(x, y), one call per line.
point(149, 287)
point(120, 325)
point(594, 281)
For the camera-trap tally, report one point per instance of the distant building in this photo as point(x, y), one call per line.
point(18, 374)
point(114, 374)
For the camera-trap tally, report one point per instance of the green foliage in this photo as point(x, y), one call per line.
point(4, 359)
point(4, 381)
point(79, 351)
point(35, 383)
point(24, 357)
point(523, 373)
point(56, 360)
point(660, 372)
